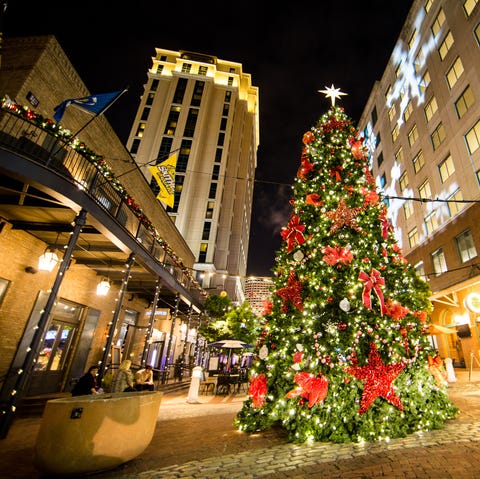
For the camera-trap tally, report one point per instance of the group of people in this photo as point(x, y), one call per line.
point(123, 380)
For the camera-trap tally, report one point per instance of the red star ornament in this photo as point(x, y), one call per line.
point(378, 379)
point(291, 293)
point(344, 216)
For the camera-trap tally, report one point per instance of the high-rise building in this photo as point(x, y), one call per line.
point(204, 110)
point(422, 126)
point(257, 291)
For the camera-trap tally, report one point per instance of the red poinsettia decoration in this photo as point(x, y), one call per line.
point(308, 137)
point(310, 387)
point(357, 148)
point(305, 168)
point(337, 254)
point(258, 390)
point(395, 310)
point(335, 172)
point(378, 379)
point(293, 233)
point(371, 196)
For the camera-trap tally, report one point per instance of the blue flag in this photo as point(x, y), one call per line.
point(95, 104)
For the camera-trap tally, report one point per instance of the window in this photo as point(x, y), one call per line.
point(202, 256)
point(411, 42)
point(154, 85)
point(186, 67)
point(454, 73)
point(403, 181)
point(374, 115)
point(207, 226)
point(428, 5)
point(408, 111)
point(431, 222)
point(184, 155)
point(135, 145)
point(412, 135)
point(425, 191)
point(213, 190)
point(389, 92)
point(420, 270)
point(230, 81)
point(418, 161)
point(464, 102)
point(218, 154)
point(425, 81)
point(446, 168)
point(439, 263)
point(379, 139)
point(477, 33)
point(197, 93)
point(202, 70)
point(455, 203)
point(209, 211)
point(399, 157)
point(419, 60)
point(445, 46)
point(172, 120)
point(221, 139)
point(469, 5)
point(150, 98)
point(395, 132)
point(466, 246)
point(223, 124)
point(430, 108)
point(215, 172)
point(380, 159)
point(140, 129)
point(391, 113)
point(438, 136)
point(473, 138)
point(408, 209)
point(145, 113)
point(438, 22)
point(383, 181)
point(413, 238)
point(191, 123)
point(180, 91)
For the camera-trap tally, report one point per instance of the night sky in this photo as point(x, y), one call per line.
point(290, 51)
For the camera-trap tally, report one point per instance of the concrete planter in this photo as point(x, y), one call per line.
point(85, 434)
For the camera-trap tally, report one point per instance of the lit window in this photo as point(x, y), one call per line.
point(399, 156)
point(438, 22)
point(413, 238)
point(413, 135)
point(466, 246)
point(469, 5)
point(408, 111)
point(473, 138)
point(464, 102)
point(408, 208)
point(202, 70)
point(438, 136)
point(445, 46)
point(419, 60)
point(186, 67)
point(455, 203)
point(477, 33)
point(455, 72)
point(428, 5)
point(439, 262)
point(418, 161)
point(430, 108)
point(420, 270)
point(411, 42)
point(446, 168)
point(425, 81)
point(391, 113)
point(140, 129)
point(425, 191)
point(403, 181)
point(395, 133)
point(431, 222)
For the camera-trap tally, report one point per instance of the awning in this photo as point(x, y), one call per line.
point(437, 329)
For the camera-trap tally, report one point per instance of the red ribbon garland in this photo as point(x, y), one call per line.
point(374, 281)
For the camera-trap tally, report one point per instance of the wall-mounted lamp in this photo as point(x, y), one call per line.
point(103, 287)
point(47, 260)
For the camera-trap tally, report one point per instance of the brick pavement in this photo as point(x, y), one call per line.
point(198, 441)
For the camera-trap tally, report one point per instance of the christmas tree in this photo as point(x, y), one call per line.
point(344, 354)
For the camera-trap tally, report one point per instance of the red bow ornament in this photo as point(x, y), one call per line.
point(332, 256)
point(293, 233)
point(305, 168)
point(374, 281)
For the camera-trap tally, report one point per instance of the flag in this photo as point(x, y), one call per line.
point(95, 104)
point(164, 174)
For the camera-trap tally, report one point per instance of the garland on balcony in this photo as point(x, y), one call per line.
point(99, 162)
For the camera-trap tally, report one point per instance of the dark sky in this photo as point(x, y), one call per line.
point(291, 52)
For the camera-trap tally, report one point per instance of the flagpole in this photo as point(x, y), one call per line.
point(91, 119)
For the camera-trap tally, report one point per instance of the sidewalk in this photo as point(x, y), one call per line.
point(198, 441)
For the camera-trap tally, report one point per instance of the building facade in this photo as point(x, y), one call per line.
point(61, 198)
point(422, 128)
point(205, 111)
point(258, 290)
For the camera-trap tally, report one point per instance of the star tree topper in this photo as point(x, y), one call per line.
point(332, 93)
point(344, 216)
point(378, 379)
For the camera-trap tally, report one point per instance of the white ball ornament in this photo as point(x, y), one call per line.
point(345, 305)
point(263, 353)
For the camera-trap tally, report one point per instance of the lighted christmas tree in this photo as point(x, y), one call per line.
point(344, 354)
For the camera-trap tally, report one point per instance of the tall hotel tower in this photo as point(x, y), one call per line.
point(422, 122)
point(206, 111)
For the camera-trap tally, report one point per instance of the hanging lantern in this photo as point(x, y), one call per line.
point(47, 260)
point(103, 287)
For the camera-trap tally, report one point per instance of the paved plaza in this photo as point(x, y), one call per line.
point(198, 441)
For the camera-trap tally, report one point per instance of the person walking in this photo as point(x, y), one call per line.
point(123, 379)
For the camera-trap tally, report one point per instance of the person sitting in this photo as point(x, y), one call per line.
point(144, 379)
point(123, 379)
point(87, 384)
